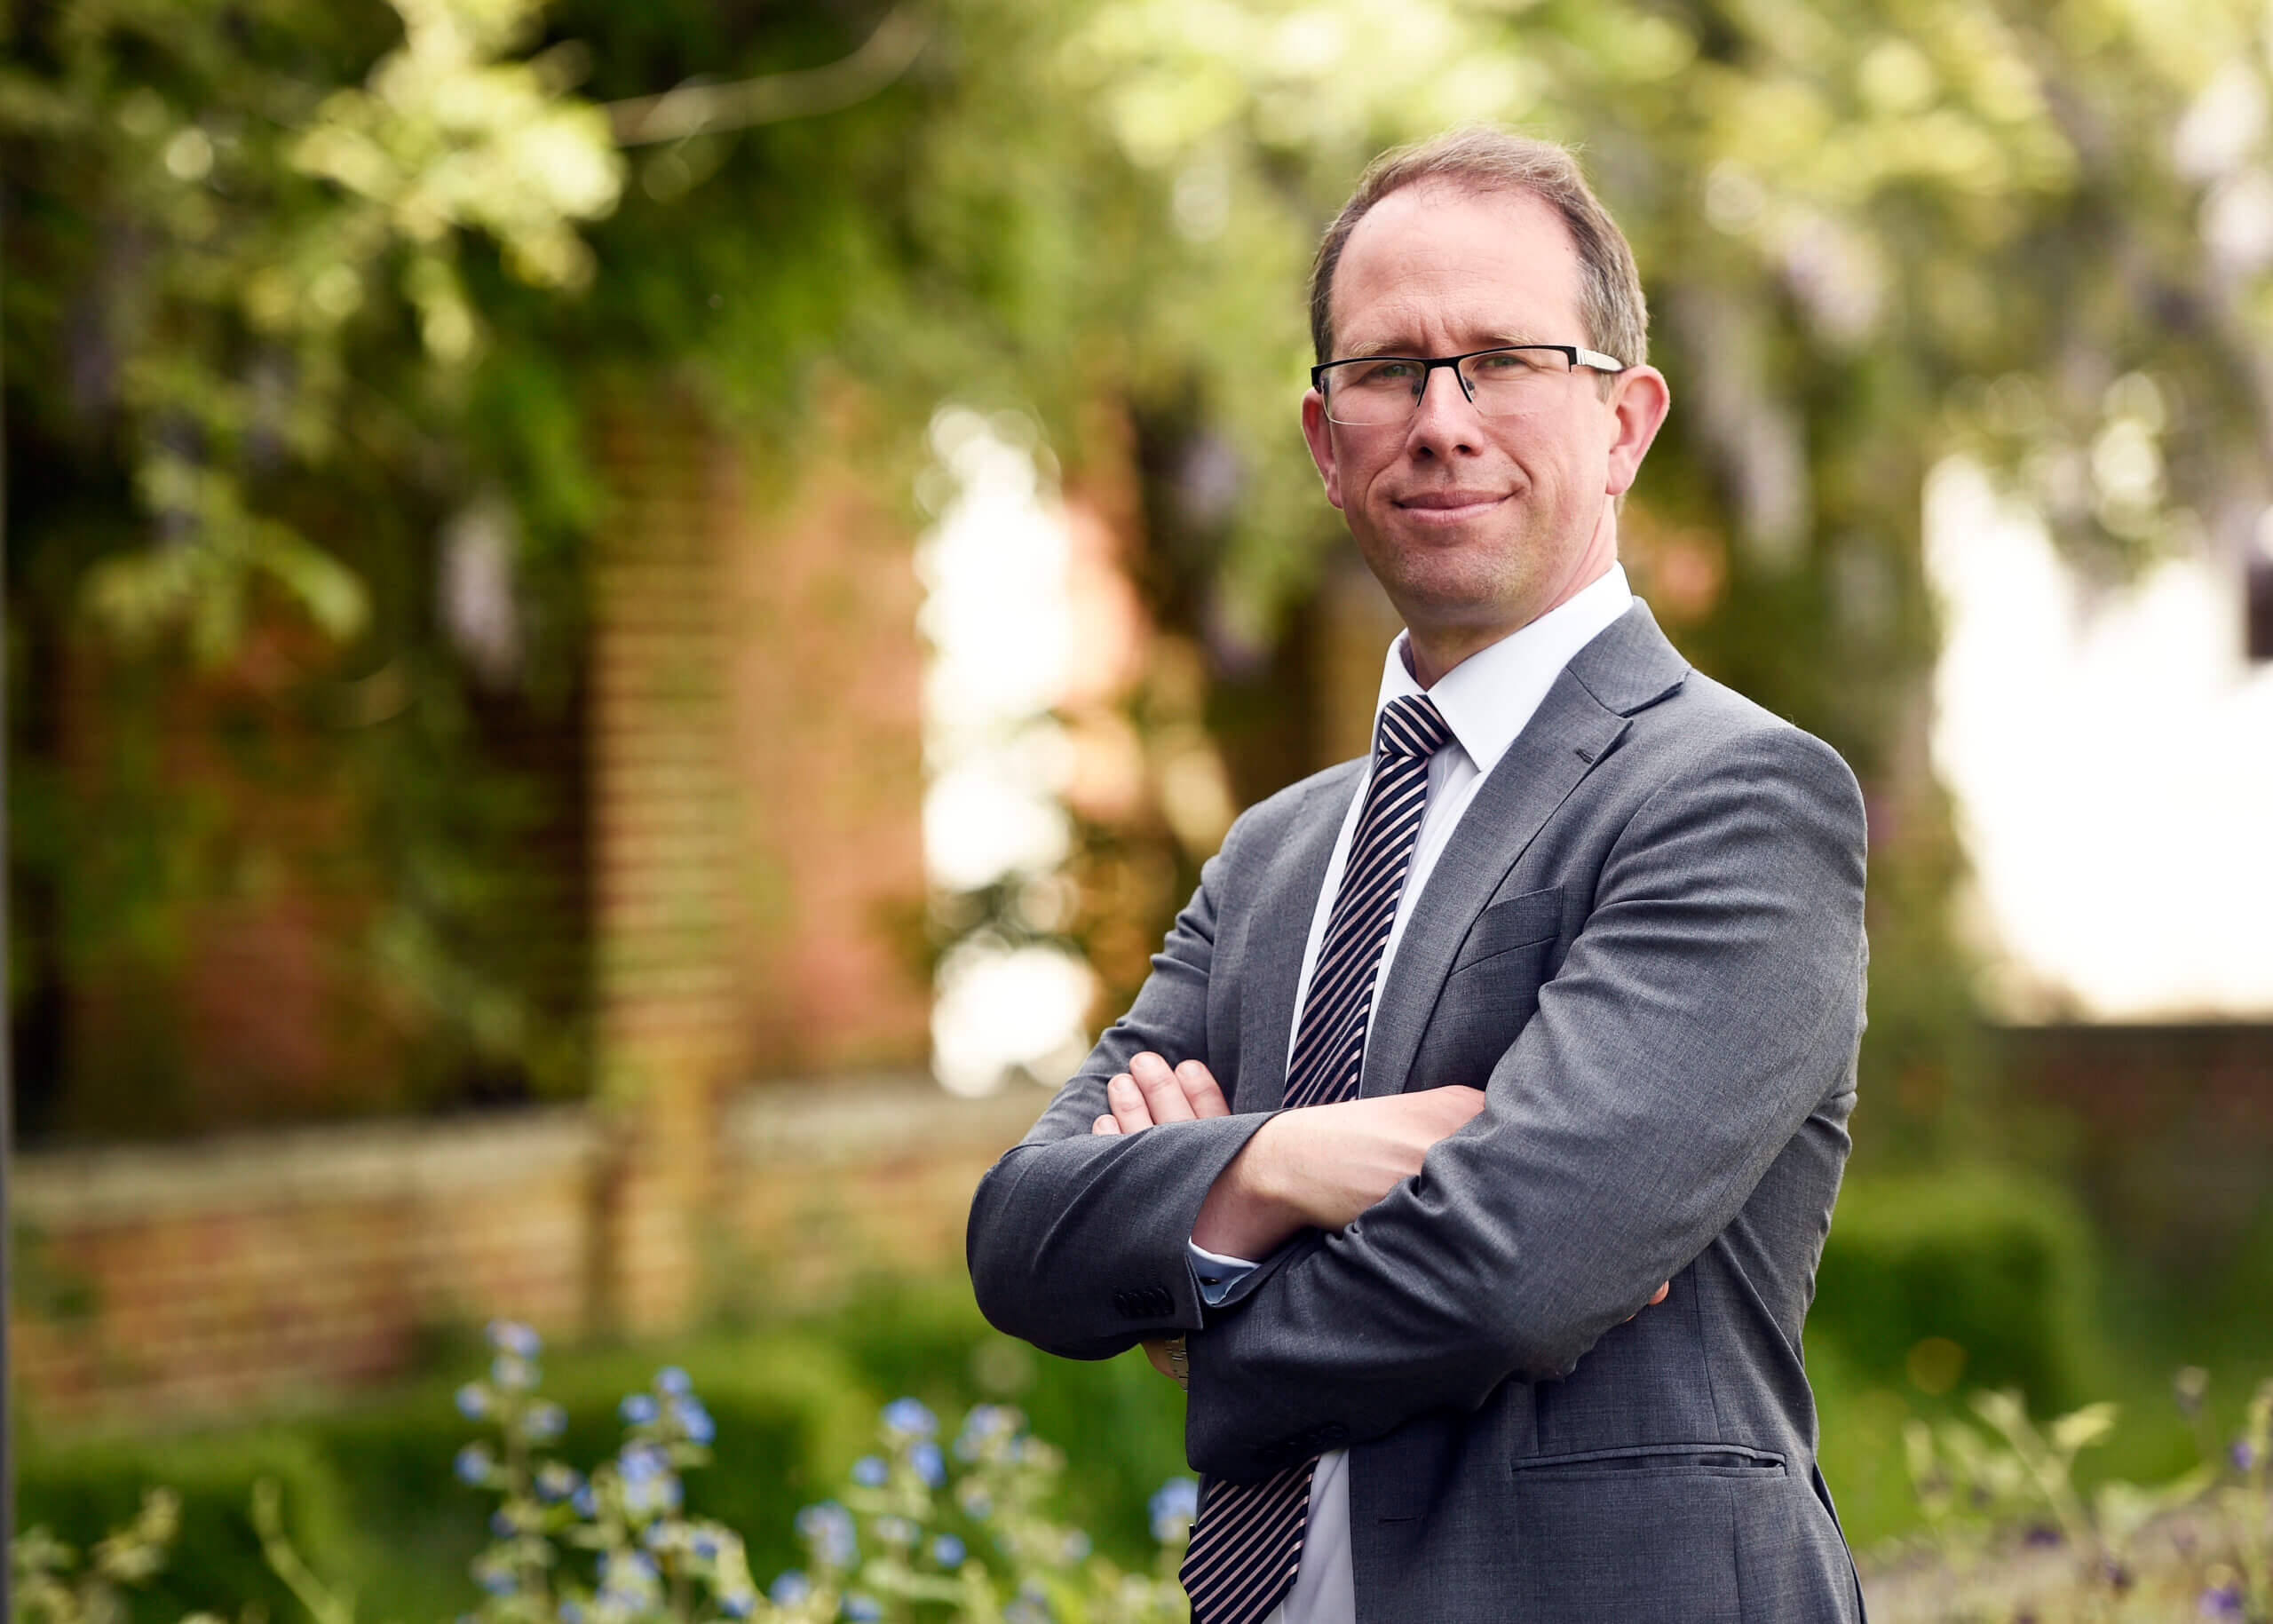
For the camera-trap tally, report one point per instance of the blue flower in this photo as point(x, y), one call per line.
point(862, 1609)
point(870, 1472)
point(694, 1420)
point(910, 1419)
point(704, 1545)
point(828, 1528)
point(789, 1589)
point(2243, 1456)
point(473, 1464)
point(929, 1464)
point(497, 1582)
point(473, 1401)
point(642, 1495)
point(556, 1483)
point(671, 1379)
point(511, 1336)
point(512, 1373)
point(583, 1502)
point(637, 1409)
point(642, 1462)
point(984, 1423)
point(571, 1612)
point(737, 1604)
point(1175, 1504)
point(545, 1422)
point(947, 1551)
point(2222, 1602)
point(501, 1525)
point(897, 1530)
point(635, 1565)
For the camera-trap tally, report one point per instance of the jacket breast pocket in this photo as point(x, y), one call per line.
point(1500, 966)
point(1491, 990)
point(1531, 920)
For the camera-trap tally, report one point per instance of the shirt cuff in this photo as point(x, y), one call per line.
point(1216, 1273)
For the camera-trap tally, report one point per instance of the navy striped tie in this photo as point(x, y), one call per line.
point(1248, 1540)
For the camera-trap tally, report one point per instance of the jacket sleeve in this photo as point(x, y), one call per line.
point(1078, 1242)
point(1710, 1002)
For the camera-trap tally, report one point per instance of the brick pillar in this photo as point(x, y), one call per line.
point(664, 814)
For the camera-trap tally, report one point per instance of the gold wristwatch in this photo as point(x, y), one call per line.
point(1178, 1362)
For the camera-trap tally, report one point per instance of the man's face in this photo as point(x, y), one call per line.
point(1475, 526)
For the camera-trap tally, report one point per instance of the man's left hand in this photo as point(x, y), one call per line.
point(1151, 1092)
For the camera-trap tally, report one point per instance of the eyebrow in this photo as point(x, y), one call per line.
point(1504, 339)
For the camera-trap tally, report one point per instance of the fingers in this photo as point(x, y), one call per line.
point(1200, 1090)
point(1149, 1093)
point(1127, 1100)
point(1655, 1297)
point(1156, 1349)
point(1164, 1095)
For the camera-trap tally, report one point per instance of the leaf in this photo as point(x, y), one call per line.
point(2080, 1429)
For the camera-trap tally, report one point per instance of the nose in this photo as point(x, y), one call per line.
point(1444, 420)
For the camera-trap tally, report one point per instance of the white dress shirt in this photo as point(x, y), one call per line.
point(1486, 700)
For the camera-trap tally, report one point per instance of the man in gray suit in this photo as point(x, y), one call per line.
point(1463, 1057)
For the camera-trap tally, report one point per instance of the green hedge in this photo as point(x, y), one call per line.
point(369, 1497)
point(2003, 1265)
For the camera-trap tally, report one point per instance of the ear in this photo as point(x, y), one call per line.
point(1639, 398)
point(1320, 434)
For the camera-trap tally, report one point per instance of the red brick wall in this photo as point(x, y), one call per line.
point(248, 1272)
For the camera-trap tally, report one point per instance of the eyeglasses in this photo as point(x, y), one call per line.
point(1371, 391)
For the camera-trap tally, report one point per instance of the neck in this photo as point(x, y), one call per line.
point(1434, 647)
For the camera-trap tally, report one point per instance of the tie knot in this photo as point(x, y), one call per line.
point(1412, 726)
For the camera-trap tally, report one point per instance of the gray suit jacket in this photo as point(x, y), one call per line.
point(1644, 941)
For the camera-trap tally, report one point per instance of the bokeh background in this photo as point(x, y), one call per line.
point(625, 623)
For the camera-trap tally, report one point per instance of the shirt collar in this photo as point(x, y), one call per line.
point(1491, 696)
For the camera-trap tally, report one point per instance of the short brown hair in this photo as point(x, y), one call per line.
point(1484, 158)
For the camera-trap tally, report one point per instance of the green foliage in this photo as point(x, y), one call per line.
point(1994, 1491)
point(1983, 1275)
point(928, 1527)
point(56, 1584)
point(369, 1505)
point(278, 232)
point(214, 1562)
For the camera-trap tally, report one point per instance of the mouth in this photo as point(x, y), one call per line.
point(1449, 507)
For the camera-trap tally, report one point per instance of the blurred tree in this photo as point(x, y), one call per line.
point(284, 316)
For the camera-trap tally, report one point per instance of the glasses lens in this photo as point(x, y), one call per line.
point(1370, 391)
point(1501, 383)
point(1504, 382)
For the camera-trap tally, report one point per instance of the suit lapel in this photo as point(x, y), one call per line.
point(1272, 961)
point(1630, 665)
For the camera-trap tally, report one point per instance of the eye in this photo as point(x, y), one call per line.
point(1376, 373)
point(1508, 363)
